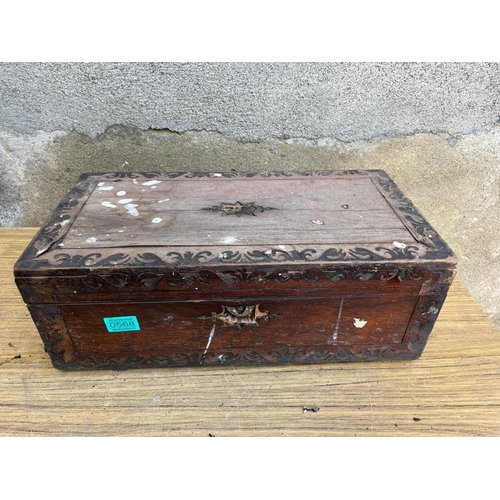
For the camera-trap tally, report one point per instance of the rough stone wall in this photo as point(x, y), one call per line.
point(434, 128)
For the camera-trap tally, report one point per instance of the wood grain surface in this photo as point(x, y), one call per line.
point(184, 212)
point(452, 390)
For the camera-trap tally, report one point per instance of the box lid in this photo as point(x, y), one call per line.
point(174, 220)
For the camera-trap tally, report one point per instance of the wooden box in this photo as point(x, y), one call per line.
point(175, 269)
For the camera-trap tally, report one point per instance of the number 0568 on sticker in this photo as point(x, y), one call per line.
point(122, 324)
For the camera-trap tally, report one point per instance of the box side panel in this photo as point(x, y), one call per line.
point(427, 310)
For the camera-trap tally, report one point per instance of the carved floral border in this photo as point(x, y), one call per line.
point(186, 258)
point(43, 250)
point(126, 278)
point(282, 356)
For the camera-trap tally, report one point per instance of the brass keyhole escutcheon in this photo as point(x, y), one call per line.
point(241, 315)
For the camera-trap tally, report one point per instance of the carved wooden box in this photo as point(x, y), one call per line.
point(175, 269)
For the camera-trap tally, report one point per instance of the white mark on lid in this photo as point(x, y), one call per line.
point(124, 163)
point(150, 183)
point(135, 181)
point(228, 240)
point(131, 209)
point(398, 244)
point(153, 187)
point(64, 222)
point(217, 175)
point(121, 193)
point(166, 199)
point(108, 204)
point(105, 188)
point(92, 239)
point(282, 247)
point(433, 310)
point(101, 183)
point(156, 220)
point(317, 221)
point(359, 323)
point(60, 245)
point(124, 201)
point(120, 230)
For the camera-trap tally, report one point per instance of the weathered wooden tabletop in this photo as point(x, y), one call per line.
point(453, 389)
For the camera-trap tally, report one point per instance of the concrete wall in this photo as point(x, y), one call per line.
point(252, 102)
point(434, 127)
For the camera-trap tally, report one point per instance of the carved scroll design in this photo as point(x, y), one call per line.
point(355, 273)
point(428, 313)
point(121, 279)
point(424, 321)
point(232, 174)
point(427, 310)
point(237, 208)
point(128, 278)
point(273, 255)
point(117, 280)
point(59, 222)
point(53, 331)
point(288, 355)
point(411, 217)
point(310, 254)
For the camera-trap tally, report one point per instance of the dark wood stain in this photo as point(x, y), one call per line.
point(339, 266)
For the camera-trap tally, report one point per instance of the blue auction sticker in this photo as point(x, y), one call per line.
point(122, 324)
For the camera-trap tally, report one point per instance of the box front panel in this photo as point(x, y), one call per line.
point(209, 329)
